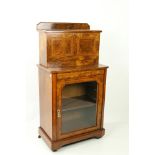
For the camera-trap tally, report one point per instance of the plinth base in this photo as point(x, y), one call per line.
point(55, 145)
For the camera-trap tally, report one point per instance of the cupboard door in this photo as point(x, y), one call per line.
point(79, 106)
point(88, 43)
point(60, 45)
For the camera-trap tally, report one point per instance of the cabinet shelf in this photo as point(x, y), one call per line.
point(81, 123)
point(76, 103)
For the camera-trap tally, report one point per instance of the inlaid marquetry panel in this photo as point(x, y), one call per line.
point(60, 45)
point(69, 49)
point(88, 43)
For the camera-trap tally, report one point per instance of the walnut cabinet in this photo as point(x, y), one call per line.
point(71, 83)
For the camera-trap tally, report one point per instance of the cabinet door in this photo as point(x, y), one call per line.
point(79, 106)
point(60, 45)
point(88, 43)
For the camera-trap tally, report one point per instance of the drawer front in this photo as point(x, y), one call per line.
point(79, 74)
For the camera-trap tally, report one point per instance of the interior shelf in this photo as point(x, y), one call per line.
point(83, 117)
point(76, 103)
point(79, 106)
point(80, 124)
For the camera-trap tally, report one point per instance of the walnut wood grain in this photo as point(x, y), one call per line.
point(45, 94)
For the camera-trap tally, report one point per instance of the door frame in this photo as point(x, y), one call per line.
point(60, 85)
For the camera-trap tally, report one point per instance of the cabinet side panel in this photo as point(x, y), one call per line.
point(42, 49)
point(103, 98)
point(45, 94)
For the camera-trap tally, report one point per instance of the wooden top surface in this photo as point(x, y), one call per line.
point(71, 69)
point(71, 31)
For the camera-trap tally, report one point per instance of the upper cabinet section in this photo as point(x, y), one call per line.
point(68, 44)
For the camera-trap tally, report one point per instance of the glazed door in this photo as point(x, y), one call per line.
point(79, 106)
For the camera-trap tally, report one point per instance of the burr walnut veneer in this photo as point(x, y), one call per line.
point(71, 83)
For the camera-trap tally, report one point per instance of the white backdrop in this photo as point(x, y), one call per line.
point(20, 54)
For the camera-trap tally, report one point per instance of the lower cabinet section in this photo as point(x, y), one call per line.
point(71, 109)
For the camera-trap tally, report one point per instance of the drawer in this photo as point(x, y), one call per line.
point(79, 74)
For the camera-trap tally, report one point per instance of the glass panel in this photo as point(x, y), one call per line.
point(79, 106)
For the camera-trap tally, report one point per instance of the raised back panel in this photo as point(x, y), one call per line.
point(61, 26)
